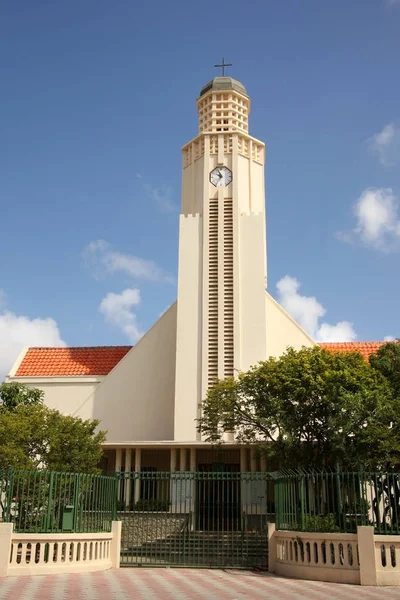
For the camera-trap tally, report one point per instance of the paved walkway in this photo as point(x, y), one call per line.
point(179, 584)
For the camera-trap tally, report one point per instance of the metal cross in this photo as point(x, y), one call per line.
point(223, 65)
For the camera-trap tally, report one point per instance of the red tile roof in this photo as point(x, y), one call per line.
point(365, 348)
point(100, 360)
point(61, 362)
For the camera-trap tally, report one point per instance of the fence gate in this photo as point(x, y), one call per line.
point(213, 519)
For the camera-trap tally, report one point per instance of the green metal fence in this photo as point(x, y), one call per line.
point(337, 501)
point(203, 518)
point(51, 502)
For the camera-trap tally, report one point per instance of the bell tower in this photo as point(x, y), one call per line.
point(221, 307)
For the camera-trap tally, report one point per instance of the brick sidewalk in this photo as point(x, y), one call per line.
point(179, 584)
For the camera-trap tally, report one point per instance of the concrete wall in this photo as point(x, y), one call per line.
point(282, 330)
point(189, 328)
point(136, 400)
point(252, 316)
point(70, 395)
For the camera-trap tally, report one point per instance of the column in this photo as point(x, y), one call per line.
point(193, 459)
point(243, 459)
point(118, 464)
point(192, 486)
point(118, 459)
point(182, 459)
point(172, 466)
point(128, 476)
point(263, 460)
point(138, 463)
point(253, 460)
point(243, 469)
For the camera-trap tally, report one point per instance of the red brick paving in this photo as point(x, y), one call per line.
point(181, 584)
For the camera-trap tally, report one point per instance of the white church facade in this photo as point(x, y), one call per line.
point(148, 397)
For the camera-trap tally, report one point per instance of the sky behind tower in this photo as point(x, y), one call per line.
point(99, 96)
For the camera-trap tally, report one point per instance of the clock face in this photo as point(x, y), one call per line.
point(221, 176)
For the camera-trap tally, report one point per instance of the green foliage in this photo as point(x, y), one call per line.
point(152, 505)
point(311, 408)
point(33, 435)
point(317, 523)
point(13, 394)
point(387, 361)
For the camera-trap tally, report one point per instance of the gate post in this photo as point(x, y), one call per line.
point(116, 529)
point(271, 548)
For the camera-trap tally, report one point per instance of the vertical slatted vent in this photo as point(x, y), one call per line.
point(213, 293)
point(228, 289)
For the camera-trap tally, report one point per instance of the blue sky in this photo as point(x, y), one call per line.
point(99, 96)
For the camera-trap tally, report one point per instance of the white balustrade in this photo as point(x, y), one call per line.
point(36, 554)
point(319, 556)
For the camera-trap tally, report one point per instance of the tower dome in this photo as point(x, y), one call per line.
point(223, 83)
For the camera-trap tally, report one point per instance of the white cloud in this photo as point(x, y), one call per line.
point(102, 259)
point(16, 332)
point(117, 310)
point(386, 144)
point(162, 196)
point(377, 220)
point(307, 311)
point(341, 332)
point(389, 338)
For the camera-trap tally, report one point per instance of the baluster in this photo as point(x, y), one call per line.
point(23, 553)
point(71, 552)
point(397, 555)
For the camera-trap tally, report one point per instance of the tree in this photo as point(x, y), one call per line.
point(387, 361)
point(35, 436)
point(13, 394)
point(310, 407)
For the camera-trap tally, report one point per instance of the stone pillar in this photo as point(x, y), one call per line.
point(263, 460)
point(271, 548)
point(128, 480)
point(138, 466)
point(172, 463)
point(193, 459)
point(118, 459)
point(116, 529)
point(6, 532)
point(243, 459)
point(366, 553)
point(118, 465)
point(193, 486)
point(253, 460)
point(182, 459)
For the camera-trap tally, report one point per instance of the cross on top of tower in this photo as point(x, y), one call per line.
point(223, 65)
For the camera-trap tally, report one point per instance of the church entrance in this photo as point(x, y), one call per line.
point(214, 517)
point(218, 497)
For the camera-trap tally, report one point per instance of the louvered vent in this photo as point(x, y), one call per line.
point(228, 289)
point(213, 293)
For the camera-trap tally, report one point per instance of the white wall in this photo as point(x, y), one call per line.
point(282, 330)
point(136, 400)
point(189, 328)
point(70, 395)
point(251, 296)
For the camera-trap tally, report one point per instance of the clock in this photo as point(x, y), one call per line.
point(221, 176)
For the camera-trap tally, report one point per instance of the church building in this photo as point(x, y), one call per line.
point(224, 320)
